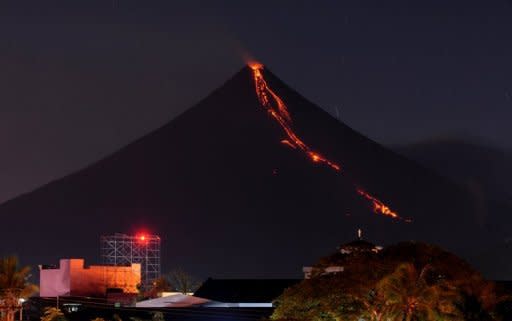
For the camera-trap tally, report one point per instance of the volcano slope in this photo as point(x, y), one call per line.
point(230, 200)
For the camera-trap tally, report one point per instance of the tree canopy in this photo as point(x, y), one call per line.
point(408, 281)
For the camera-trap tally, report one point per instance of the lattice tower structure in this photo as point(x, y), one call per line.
point(121, 249)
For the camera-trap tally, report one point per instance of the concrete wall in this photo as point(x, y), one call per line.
point(55, 282)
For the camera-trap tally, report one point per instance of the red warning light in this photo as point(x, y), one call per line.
point(141, 238)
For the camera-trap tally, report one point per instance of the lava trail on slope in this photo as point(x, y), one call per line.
point(278, 110)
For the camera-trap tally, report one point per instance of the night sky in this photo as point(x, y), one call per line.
point(80, 79)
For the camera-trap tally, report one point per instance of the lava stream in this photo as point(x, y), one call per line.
point(280, 113)
point(287, 142)
point(378, 206)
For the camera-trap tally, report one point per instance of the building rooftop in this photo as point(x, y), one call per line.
point(243, 290)
point(362, 244)
point(359, 245)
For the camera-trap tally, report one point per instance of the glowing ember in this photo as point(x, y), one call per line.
point(278, 110)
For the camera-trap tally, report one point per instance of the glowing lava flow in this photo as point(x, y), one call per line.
point(279, 112)
point(378, 206)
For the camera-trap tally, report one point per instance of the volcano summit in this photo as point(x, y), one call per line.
point(253, 181)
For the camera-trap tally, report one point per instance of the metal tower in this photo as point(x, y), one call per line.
point(122, 249)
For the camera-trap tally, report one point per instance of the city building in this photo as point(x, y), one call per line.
point(73, 278)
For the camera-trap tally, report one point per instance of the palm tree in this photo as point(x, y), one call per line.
point(13, 286)
point(407, 295)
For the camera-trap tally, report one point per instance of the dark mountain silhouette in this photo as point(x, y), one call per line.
point(486, 173)
point(469, 163)
point(230, 200)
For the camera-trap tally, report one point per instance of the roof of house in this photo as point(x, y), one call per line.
point(360, 244)
point(172, 301)
point(243, 290)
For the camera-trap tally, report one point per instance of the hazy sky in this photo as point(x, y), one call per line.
point(82, 78)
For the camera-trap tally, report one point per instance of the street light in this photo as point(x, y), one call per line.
point(21, 301)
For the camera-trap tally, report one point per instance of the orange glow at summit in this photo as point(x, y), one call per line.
point(278, 110)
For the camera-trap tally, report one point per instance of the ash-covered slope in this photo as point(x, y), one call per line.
point(230, 200)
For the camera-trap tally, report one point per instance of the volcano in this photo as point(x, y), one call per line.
point(231, 198)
